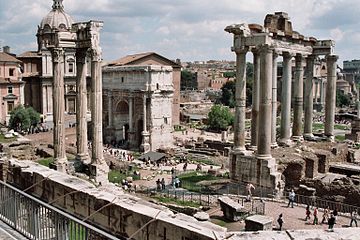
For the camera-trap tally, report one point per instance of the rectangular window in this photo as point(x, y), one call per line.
point(165, 120)
point(11, 72)
point(10, 106)
point(71, 67)
point(10, 90)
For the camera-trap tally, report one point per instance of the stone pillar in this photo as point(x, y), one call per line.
point(330, 96)
point(255, 100)
point(322, 93)
point(145, 145)
point(58, 109)
point(309, 100)
point(110, 110)
point(265, 104)
point(298, 97)
point(316, 90)
point(81, 107)
point(131, 135)
point(99, 169)
point(274, 101)
point(286, 100)
point(240, 99)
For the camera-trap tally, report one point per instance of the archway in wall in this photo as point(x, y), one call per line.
point(139, 131)
point(120, 119)
point(292, 174)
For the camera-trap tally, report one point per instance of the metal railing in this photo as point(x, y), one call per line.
point(314, 201)
point(38, 220)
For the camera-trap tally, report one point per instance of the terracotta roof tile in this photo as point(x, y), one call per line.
point(5, 57)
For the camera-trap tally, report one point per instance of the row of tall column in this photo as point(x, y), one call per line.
point(96, 109)
point(264, 98)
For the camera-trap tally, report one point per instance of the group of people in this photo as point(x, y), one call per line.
point(160, 185)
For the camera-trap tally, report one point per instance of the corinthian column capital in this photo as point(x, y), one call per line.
point(96, 54)
point(57, 54)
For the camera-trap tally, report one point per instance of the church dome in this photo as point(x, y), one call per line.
point(56, 18)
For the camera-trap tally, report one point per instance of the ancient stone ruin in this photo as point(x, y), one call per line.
point(276, 38)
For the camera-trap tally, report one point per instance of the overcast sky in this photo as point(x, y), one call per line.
point(186, 29)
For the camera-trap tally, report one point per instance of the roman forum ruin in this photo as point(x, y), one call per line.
point(59, 35)
point(276, 38)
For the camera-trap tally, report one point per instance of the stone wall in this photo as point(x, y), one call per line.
point(123, 215)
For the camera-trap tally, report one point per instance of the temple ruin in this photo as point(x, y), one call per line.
point(276, 38)
point(59, 35)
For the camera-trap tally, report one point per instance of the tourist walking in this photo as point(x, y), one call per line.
point(162, 184)
point(335, 213)
point(316, 220)
point(280, 221)
point(354, 216)
point(249, 186)
point(325, 215)
point(291, 198)
point(308, 213)
point(331, 222)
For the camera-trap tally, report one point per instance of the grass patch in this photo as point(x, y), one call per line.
point(189, 181)
point(318, 126)
point(340, 138)
point(177, 201)
point(115, 176)
point(341, 127)
point(6, 140)
point(46, 161)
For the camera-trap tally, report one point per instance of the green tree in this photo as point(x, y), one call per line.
point(228, 94)
point(342, 99)
point(220, 118)
point(188, 80)
point(21, 119)
point(228, 89)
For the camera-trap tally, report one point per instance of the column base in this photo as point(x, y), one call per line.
point(261, 171)
point(60, 165)
point(297, 138)
point(145, 145)
point(330, 138)
point(83, 157)
point(241, 152)
point(309, 137)
point(286, 142)
point(274, 145)
point(99, 173)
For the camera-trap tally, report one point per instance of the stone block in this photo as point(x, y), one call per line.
point(232, 210)
point(258, 223)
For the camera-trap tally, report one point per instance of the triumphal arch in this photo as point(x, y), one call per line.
point(267, 42)
point(59, 35)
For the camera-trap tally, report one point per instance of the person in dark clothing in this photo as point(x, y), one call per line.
point(331, 222)
point(280, 221)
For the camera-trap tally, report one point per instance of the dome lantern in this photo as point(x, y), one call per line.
point(58, 5)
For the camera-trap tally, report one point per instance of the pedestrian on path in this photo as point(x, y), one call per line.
point(280, 221)
point(331, 222)
point(354, 217)
point(308, 213)
point(291, 198)
point(316, 220)
point(325, 215)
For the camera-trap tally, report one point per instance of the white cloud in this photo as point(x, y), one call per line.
point(191, 30)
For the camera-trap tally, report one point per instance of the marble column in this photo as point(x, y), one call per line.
point(81, 107)
point(330, 96)
point(255, 100)
point(309, 100)
point(274, 100)
point(298, 97)
point(145, 145)
point(131, 135)
point(322, 93)
point(110, 110)
point(317, 83)
point(99, 166)
point(265, 104)
point(58, 109)
point(240, 99)
point(286, 100)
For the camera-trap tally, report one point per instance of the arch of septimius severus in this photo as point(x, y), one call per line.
point(276, 38)
point(59, 35)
